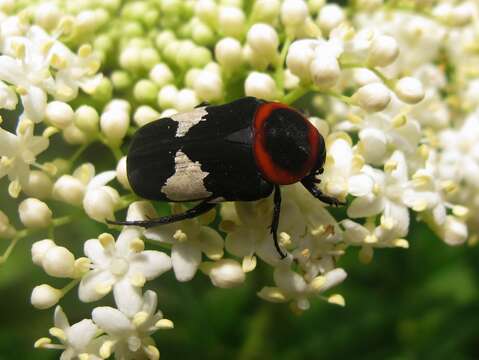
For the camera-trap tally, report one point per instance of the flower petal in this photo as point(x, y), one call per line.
point(185, 258)
point(101, 179)
point(365, 206)
point(360, 185)
point(150, 263)
point(60, 319)
point(127, 235)
point(87, 290)
point(34, 104)
point(95, 251)
point(80, 334)
point(211, 243)
point(111, 320)
point(241, 241)
point(128, 298)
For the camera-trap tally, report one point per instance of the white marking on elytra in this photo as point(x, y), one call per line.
point(189, 119)
point(187, 181)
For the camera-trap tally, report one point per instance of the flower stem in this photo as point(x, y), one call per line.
point(294, 95)
point(9, 250)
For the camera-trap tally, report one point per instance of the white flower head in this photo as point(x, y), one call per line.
point(129, 336)
point(76, 340)
point(122, 266)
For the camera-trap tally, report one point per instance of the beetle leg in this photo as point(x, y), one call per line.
point(309, 185)
point(275, 222)
point(199, 209)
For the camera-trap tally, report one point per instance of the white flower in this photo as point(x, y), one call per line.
point(372, 97)
point(224, 273)
point(409, 90)
point(189, 239)
point(228, 53)
point(260, 85)
point(263, 39)
point(76, 340)
point(19, 151)
point(343, 170)
point(45, 296)
point(387, 195)
point(122, 266)
point(291, 286)
point(100, 200)
point(129, 336)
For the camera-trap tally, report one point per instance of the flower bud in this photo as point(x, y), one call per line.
point(299, 58)
point(231, 21)
point(121, 175)
point(186, 100)
point(39, 249)
point(260, 85)
point(266, 10)
point(47, 15)
point(161, 75)
point(59, 114)
point(325, 71)
point(365, 76)
point(114, 124)
point(294, 13)
point(409, 90)
point(202, 34)
point(145, 114)
point(263, 39)
point(39, 185)
point(130, 58)
point(384, 51)
point(228, 53)
point(225, 273)
point(69, 190)
point(34, 213)
point(330, 16)
point(167, 96)
point(74, 136)
point(372, 97)
point(206, 11)
point(58, 261)
point(45, 296)
point(87, 119)
point(454, 231)
point(149, 57)
point(164, 38)
point(121, 80)
point(145, 91)
point(208, 86)
point(99, 203)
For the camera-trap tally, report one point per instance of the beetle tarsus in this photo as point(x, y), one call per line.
point(308, 183)
point(275, 222)
point(199, 209)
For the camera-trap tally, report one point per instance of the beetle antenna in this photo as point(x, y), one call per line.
point(199, 209)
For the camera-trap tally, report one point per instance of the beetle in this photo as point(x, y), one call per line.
point(240, 151)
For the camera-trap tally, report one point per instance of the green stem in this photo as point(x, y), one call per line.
point(70, 286)
point(9, 250)
point(294, 95)
point(279, 74)
point(258, 327)
point(78, 153)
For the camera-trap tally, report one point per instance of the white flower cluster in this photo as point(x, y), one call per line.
point(394, 95)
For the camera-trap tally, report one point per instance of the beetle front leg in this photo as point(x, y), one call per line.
point(275, 222)
point(199, 209)
point(308, 183)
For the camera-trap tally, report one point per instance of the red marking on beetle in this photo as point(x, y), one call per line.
point(271, 171)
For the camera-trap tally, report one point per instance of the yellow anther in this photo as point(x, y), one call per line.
point(165, 324)
point(58, 333)
point(42, 342)
point(401, 243)
point(58, 62)
point(399, 121)
point(306, 253)
point(357, 163)
point(249, 263)
point(460, 211)
point(285, 239)
point(449, 186)
point(320, 230)
point(180, 236)
point(137, 245)
point(50, 131)
point(106, 239)
point(138, 280)
point(387, 222)
point(85, 50)
point(19, 49)
point(22, 91)
point(152, 352)
point(317, 283)
point(390, 166)
point(420, 205)
point(106, 349)
point(103, 288)
point(424, 151)
point(139, 318)
point(376, 189)
point(337, 299)
point(81, 266)
point(371, 239)
point(355, 119)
